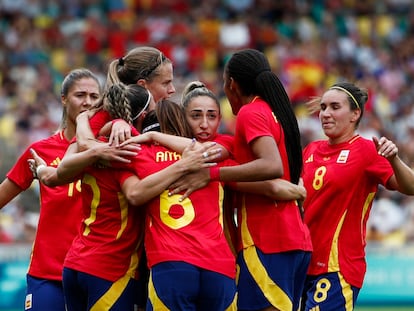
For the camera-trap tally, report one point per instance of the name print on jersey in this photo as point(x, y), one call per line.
point(164, 156)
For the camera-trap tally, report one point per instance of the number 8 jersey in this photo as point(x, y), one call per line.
point(341, 182)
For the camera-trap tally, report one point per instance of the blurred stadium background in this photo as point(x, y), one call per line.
point(311, 45)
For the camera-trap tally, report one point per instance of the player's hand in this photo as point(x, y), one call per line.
point(385, 147)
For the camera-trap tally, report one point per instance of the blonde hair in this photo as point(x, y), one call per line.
point(139, 63)
point(126, 102)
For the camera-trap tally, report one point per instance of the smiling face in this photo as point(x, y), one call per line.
point(203, 115)
point(337, 119)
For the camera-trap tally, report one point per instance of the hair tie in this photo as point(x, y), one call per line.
point(347, 92)
point(121, 61)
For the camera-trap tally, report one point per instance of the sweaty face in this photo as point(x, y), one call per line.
point(161, 87)
point(337, 119)
point(83, 94)
point(203, 115)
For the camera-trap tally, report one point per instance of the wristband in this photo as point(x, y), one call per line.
point(215, 173)
point(39, 168)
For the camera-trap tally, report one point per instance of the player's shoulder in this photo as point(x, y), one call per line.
point(56, 137)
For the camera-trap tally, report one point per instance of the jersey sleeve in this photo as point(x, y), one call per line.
point(378, 167)
point(227, 141)
point(98, 120)
point(20, 173)
point(253, 121)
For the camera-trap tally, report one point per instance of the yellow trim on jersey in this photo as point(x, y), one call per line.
point(246, 238)
point(155, 301)
point(333, 263)
point(123, 205)
point(91, 181)
point(368, 201)
point(273, 293)
point(233, 305)
point(221, 199)
point(112, 295)
point(347, 293)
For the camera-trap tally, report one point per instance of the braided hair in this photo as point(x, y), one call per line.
point(126, 102)
point(251, 70)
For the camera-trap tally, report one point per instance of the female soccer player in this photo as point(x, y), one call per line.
point(341, 176)
point(60, 207)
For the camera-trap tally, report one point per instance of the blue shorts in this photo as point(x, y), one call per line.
point(43, 295)
point(87, 292)
point(177, 285)
point(271, 279)
point(327, 292)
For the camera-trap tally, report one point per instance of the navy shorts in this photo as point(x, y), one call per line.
point(87, 292)
point(43, 295)
point(178, 285)
point(329, 292)
point(275, 279)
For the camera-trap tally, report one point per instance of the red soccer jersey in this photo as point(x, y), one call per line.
point(341, 181)
point(100, 118)
point(273, 226)
point(60, 209)
point(109, 242)
point(189, 231)
point(227, 141)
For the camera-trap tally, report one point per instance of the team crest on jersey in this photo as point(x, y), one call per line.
point(343, 156)
point(28, 302)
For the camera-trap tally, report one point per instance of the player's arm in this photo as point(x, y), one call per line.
point(276, 189)
point(139, 191)
point(8, 191)
point(176, 143)
point(403, 178)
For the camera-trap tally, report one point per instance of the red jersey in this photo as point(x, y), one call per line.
point(109, 242)
point(227, 141)
point(60, 209)
point(272, 226)
point(341, 181)
point(189, 231)
point(100, 118)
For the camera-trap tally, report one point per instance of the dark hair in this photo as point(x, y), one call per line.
point(70, 79)
point(126, 101)
point(139, 63)
point(357, 97)
point(150, 122)
point(172, 119)
point(195, 89)
point(251, 70)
